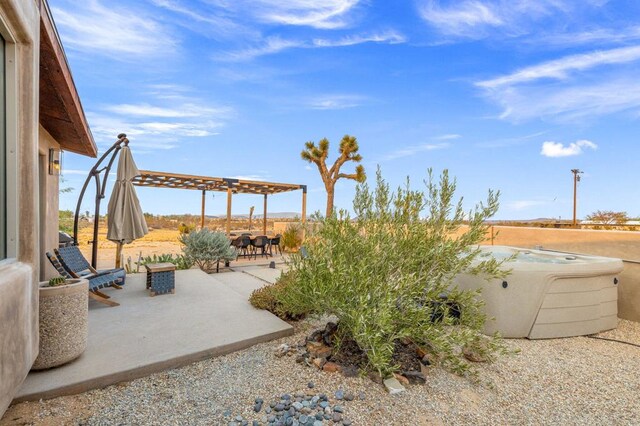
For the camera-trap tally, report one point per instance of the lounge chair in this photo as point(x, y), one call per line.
point(73, 261)
point(97, 281)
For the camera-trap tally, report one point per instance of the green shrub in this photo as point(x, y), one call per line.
point(383, 274)
point(207, 248)
point(57, 281)
point(181, 261)
point(267, 297)
point(292, 237)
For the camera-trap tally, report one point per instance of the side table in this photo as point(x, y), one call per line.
point(161, 278)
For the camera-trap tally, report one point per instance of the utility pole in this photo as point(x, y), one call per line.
point(576, 179)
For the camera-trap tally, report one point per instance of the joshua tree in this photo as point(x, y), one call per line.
point(251, 215)
point(318, 155)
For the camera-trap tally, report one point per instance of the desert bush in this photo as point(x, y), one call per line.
point(207, 248)
point(267, 298)
point(385, 273)
point(181, 261)
point(186, 228)
point(292, 237)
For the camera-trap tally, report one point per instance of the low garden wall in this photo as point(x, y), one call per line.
point(620, 244)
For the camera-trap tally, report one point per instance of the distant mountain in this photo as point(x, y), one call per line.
point(274, 215)
point(279, 215)
point(537, 220)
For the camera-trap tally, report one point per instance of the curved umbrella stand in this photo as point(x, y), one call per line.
point(125, 221)
point(100, 183)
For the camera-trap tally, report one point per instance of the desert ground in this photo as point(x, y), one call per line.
point(162, 238)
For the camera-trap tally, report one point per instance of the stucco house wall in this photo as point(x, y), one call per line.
point(19, 25)
point(49, 204)
point(42, 111)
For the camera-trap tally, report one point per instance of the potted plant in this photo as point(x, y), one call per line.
point(64, 312)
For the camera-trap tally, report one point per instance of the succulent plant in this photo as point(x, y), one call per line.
point(57, 281)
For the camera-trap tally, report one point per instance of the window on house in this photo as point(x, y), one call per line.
point(3, 160)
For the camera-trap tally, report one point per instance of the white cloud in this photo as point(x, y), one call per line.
point(208, 23)
point(560, 68)
point(415, 149)
point(590, 37)
point(477, 19)
point(463, 19)
point(448, 137)
point(330, 102)
point(570, 88)
point(389, 37)
point(327, 14)
point(524, 204)
point(112, 30)
point(184, 110)
point(270, 46)
point(571, 102)
point(557, 149)
point(276, 44)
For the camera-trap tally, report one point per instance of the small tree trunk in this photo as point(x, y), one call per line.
point(330, 193)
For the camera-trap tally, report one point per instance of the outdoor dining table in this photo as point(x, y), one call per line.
point(252, 238)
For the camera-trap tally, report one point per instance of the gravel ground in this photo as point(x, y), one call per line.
point(561, 381)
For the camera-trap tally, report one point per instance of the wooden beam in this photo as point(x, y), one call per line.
point(304, 204)
point(204, 196)
point(229, 195)
point(264, 218)
point(304, 210)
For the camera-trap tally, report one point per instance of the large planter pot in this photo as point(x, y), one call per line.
point(64, 312)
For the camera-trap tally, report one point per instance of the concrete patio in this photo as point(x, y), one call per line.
point(208, 316)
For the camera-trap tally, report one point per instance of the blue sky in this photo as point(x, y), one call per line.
point(506, 94)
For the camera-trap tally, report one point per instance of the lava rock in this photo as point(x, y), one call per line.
point(415, 377)
point(330, 367)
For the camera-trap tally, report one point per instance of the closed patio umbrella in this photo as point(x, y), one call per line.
point(125, 221)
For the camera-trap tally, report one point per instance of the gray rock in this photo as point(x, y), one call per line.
point(393, 386)
point(279, 407)
point(297, 405)
point(337, 417)
point(339, 394)
point(349, 396)
point(311, 385)
point(338, 409)
point(257, 407)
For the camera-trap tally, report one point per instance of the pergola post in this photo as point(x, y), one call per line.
point(229, 195)
point(304, 209)
point(204, 193)
point(264, 217)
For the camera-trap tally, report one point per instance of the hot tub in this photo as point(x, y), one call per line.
point(548, 294)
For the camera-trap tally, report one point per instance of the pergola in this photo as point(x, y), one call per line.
point(231, 186)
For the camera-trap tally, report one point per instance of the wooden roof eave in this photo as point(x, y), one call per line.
point(61, 112)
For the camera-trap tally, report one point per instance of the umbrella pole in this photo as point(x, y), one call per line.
point(118, 255)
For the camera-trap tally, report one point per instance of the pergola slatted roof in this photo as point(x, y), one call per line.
point(207, 183)
point(231, 186)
